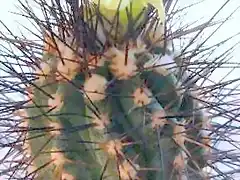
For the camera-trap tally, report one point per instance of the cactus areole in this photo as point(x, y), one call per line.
point(104, 109)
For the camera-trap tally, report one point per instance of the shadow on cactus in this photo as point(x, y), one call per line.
point(107, 96)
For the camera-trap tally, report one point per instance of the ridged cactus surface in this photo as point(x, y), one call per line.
point(113, 113)
point(115, 121)
point(109, 97)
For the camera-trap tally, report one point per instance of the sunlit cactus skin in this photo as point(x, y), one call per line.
point(112, 114)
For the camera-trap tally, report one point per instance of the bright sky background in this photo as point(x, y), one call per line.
point(205, 10)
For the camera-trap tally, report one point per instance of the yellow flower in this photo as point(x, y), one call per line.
point(109, 7)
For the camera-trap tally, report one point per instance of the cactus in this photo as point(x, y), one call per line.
point(110, 99)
